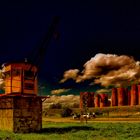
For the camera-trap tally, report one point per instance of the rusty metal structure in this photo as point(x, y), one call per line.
point(103, 100)
point(129, 97)
point(90, 99)
point(97, 100)
point(138, 86)
point(81, 101)
point(121, 96)
point(126, 96)
point(134, 95)
point(114, 97)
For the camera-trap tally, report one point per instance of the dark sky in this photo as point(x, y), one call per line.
point(86, 28)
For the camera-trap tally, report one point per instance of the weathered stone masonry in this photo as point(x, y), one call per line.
point(21, 114)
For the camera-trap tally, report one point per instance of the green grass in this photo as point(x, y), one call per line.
point(80, 131)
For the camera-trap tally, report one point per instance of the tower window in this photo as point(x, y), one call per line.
point(29, 86)
point(15, 72)
point(28, 74)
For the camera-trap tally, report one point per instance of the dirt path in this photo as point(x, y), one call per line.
point(112, 120)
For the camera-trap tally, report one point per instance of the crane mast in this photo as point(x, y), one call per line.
point(39, 56)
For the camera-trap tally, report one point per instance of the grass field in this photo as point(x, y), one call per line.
point(80, 131)
point(111, 112)
point(122, 123)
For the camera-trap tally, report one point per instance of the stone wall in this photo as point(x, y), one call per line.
point(21, 114)
point(6, 114)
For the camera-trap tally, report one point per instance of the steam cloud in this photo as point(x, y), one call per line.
point(107, 69)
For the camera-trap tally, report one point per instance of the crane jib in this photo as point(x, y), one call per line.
point(39, 56)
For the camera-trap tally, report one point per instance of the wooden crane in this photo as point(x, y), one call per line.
point(21, 77)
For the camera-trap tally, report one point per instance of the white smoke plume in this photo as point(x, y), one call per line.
point(108, 69)
point(59, 91)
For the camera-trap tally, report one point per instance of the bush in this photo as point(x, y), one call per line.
point(66, 112)
point(55, 106)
